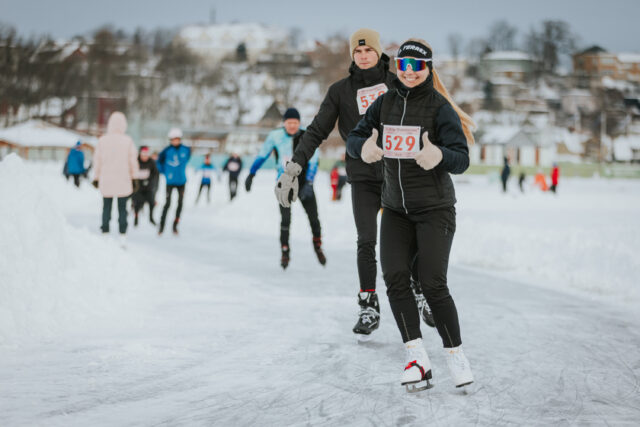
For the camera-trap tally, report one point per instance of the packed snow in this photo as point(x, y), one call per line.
point(206, 329)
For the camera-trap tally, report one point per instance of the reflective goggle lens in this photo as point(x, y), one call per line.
point(416, 64)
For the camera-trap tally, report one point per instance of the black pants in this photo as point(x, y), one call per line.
point(107, 202)
point(141, 197)
point(233, 186)
point(202, 185)
point(167, 203)
point(311, 208)
point(366, 202)
point(76, 180)
point(432, 232)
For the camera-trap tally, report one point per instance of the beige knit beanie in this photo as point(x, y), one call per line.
point(366, 37)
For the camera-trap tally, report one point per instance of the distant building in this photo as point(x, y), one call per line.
point(219, 41)
point(39, 140)
point(595, 63)
point(506, 65)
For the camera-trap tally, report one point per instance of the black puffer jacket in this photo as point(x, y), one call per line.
point(341, 104)
point(407, 187)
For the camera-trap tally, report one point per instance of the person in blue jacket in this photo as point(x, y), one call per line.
point(75, 163)
point(207, 170)
point(283, 141)
point(172, 163)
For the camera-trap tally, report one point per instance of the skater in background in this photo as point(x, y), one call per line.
point(540, 181)
point(338, 179)
point(207, 170)
point(284, 140)
point(144, 185)
point(346, 102)
point(418, 198)
point(504, 175)
point(74, 166)
point(172, 163)
point(233, 165)
point(521, 179)
point(555, 175)
point(115, 167)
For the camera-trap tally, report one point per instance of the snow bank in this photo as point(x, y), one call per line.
point(584, 239)
point(55, 278)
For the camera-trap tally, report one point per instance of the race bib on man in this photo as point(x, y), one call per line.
point(367, 95)
point(401, 142)
point(206, 173)
point(233, 167)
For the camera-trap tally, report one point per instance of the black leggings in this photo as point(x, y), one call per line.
point(167, 203)
point(233, 186)
point(311, 208)
point(140, 198)
point(107, 203)
point(432, 232)
point(366, 202)
point(202, 185)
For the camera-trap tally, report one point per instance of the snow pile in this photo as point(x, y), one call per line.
point(55, 278)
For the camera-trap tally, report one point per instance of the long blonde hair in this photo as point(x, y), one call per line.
point(468, 125)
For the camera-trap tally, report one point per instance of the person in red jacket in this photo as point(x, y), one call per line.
point(555, 174)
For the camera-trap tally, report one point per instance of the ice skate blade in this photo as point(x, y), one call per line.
point(362, 338)
point(418, 387)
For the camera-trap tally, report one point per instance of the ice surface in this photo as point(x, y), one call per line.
point(213, 332)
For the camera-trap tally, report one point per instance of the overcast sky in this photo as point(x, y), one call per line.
point(612, 24)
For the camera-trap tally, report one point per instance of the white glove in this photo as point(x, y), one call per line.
point(287, 186)
point(370, 151)
point(430, 155)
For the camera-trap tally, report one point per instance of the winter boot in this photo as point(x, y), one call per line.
point(459, 366)
point(135, 220)
point(317, 246)
point(284, 260)
point(369, 315)
point(175, 226)
point(421, 302)
point(417, 371)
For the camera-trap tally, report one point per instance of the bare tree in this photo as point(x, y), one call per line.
point(546, 45)
point(455, 44)
point(502, 36)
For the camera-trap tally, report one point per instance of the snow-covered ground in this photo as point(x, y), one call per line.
point(206, 329)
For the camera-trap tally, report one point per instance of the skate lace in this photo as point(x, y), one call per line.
point(368, 315)
point(420, 300)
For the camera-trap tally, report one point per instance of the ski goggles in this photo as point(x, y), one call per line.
point(417, 64)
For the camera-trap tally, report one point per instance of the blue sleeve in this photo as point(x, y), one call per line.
point(455, 151)
point(82, 162)
point(363, 129)
point(264, 154)
point(312, 167)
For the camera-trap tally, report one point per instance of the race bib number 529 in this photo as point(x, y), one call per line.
point(367, 95)
point(401, 142)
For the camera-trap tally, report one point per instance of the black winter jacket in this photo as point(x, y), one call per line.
point(149, 175)
point(341, 103)
point(407, 187)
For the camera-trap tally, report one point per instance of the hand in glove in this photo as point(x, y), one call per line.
point(430, 155)
point(370, 151)
point(248, 181)
point(306, 192)
point(287, 186)
point(95, 183)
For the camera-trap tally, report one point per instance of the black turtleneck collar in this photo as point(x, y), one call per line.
point(423, 88)
point(372, 75)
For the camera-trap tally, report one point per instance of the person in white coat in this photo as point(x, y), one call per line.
point(115, 166)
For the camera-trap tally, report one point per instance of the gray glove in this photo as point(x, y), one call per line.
point(287, 186)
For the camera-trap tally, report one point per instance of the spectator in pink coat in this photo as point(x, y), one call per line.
point(115, 164)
